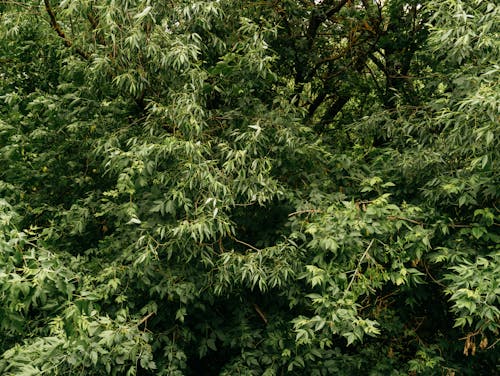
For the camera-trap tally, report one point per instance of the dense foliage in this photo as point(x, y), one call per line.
point(240, 187)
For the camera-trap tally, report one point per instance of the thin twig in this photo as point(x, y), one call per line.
point(244, 243)
point(458, 225)
point(144, 319)
point(472, 334)
point(19, 3)
point(359, 264)
point(432, 277)
point(304, 211)
point(394, 217)
point(493, 344)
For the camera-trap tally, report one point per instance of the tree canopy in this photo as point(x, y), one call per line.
point(240, 187)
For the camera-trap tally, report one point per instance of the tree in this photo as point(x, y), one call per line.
point(238, 187)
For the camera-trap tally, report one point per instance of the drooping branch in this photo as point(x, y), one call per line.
point(57, 28)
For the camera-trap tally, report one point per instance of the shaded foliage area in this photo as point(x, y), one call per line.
point(257, 188)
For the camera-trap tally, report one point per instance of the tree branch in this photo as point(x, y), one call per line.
point(57, 28)
point(144, 319)
point(244, 243)
point(332, 111)
point(320, 16)
point(395, 217)
point(356, 272)
point(260, 313)
point(95, 24)
point(304, 211)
